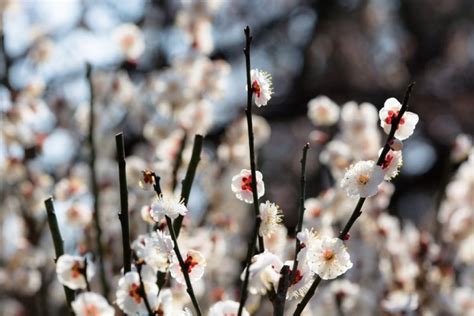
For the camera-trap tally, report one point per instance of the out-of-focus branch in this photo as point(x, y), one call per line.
point(179, 160)
point(189, 178)
point(123, 215)
point(58, 243)
point(95, 186)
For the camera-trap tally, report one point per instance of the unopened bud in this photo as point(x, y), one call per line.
point(396, 145)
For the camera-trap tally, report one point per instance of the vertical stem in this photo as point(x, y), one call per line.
point(58, 243)
point(184, 267)
point(250, 252)
point(252, 247)
point(5, 80)
point(95, 186)
point(248, 113)
point(143, 292)
point(84, 273)
point(189, 178)
point(178, 161)
point(123, 215)
point(358, 208)
point(280, 297)
point(299, 226)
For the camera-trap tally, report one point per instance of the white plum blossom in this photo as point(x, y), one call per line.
point(147, 180)
point(155, 249)
point(399, 302)
point(271, 217)
point(91, 304)
point(196, 264)
point(130, 40)
point(79, 214)
point(362, 179)
point(392, 164)
point(261, 86)
point(264, 272)
point(129, 296)
point(302, 281)
point(226, 308)
point(322, 111)
point(70, 271)
point(167, 205)
point(388, 114)
point(242, 185)
point(328, 258)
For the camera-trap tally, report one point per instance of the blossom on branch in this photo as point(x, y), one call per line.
point(271, 216)
point(242, 185)
point(328, 258)
point(71, 269)
point(130, 296)
point(91, 304)
point(362, 179)
point(195, 263)
point(261, 86)
point(264, 272)
point(388, 114)
point(167, 205)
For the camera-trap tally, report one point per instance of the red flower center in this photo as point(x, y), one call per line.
point(134, 292)
point(298, 277)
point(190, 263)
point(391, 116)
point(247, 183)
point(388, 160)
point(76, 269)
point(256, 88)
point(148, 177)
point(91, 310)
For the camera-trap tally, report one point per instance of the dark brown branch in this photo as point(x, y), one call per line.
point(143, 291)
point(58, 243)
point(189, 178)
point(280, 298)
point(123, 215)
point(95, 186)
point(179, 159)
point(184, 267)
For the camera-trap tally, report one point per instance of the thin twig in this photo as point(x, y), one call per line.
point(184, 267)
point(123, 215)
point(299, 226)
point(95, 185)
point(252, 245)
point(248, 113)
point(189, 178)
point(143, 291)
point(58, 244)
point(84, 273)
point(358, 208)
point(179, 159)
point(280, 298)
point(250, 252)
point(5, 80)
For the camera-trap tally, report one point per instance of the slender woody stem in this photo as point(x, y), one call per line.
point(179, 159)
point(95, 186)
point(58, 244)
point(189, 178)
point(255, 236)
point(143, 291)
point(248, 113)
point(299, 226)
point(184, 267)
point(280, 298)
point(123, 215)
point(84, 273)
point(358, 208)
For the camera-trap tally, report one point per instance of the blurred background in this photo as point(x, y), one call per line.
point(348, 50)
